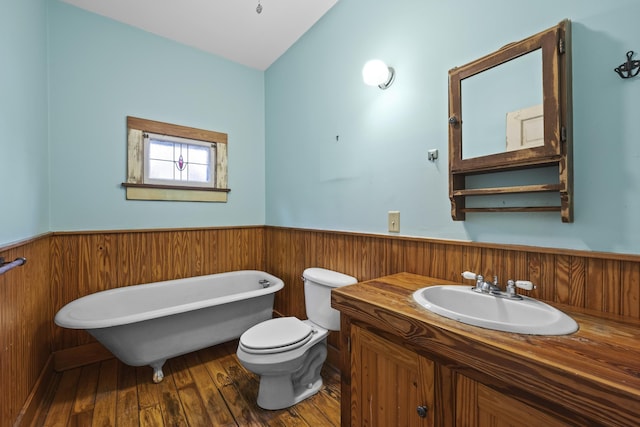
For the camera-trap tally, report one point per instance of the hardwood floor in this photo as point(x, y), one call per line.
point(205, 388)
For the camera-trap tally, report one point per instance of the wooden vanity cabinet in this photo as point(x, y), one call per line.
point(390, 385)
point(404, 366)
point(396, 357)
point(480, 406)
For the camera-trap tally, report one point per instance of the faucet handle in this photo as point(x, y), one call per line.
point(525, 284)
point(469, 275)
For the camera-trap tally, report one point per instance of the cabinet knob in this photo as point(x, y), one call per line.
point(422, 411)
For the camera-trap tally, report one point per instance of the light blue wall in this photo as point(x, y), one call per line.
point(24, 170)
point(67, 125)
point(102, 71)
point(315, 92)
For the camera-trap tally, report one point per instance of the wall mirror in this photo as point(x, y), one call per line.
point(510, 110)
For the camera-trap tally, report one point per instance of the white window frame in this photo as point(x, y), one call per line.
point(210, 183)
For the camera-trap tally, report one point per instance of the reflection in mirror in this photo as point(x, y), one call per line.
point(502, 107)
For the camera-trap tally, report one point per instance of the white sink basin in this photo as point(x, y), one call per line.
point(525, 316)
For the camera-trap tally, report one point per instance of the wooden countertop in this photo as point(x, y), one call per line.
point(594, 372)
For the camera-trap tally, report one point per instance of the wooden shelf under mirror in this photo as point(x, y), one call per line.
point(516, 117)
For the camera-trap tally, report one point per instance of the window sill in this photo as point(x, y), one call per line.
point(136, 191)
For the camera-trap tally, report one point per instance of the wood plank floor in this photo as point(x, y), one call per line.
point(205, 388)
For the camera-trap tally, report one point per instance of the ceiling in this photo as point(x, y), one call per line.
point(231, 29)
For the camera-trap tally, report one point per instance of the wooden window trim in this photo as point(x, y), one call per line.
point(173, 187)
point(135, 187)
point(175, 130)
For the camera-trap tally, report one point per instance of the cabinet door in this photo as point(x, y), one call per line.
point(390, 385)
point(481, 406)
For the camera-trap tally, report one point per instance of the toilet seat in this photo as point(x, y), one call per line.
point(276, 336)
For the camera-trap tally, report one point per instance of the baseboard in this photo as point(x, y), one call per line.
point(31, 406)
point(79, 356)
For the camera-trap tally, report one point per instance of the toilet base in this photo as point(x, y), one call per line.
point(286, 395)
point(282, 390)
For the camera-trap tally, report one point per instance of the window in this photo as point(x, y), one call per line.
point(171, 162)
point(175, 161)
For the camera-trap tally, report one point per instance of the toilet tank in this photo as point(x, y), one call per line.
point(318, 283)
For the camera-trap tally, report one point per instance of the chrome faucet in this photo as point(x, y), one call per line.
point(511, 288)
point(481, 285)
point(493, 288)
point(512, 291)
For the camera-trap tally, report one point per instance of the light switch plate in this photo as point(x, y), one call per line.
point(394, 221)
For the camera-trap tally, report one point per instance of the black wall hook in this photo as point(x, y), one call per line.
point(628, 69)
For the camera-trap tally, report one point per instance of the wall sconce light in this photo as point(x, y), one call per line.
point(377, 73)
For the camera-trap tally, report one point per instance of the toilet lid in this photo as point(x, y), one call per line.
point(276, 335)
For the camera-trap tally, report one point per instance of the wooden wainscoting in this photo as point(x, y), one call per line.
point(607, 283)
point(25, 315)
point(64, 266)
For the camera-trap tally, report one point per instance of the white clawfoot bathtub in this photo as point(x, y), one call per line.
point(150, 323)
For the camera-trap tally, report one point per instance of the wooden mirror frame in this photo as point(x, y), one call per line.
point(555, 46)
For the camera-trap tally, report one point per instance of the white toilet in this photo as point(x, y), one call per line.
point(288, 353)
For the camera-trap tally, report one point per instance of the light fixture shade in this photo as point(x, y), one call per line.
point(377, 73)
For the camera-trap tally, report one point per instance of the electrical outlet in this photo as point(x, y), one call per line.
point(394, 221)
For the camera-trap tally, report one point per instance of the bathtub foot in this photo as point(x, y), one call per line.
point(158, 375)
